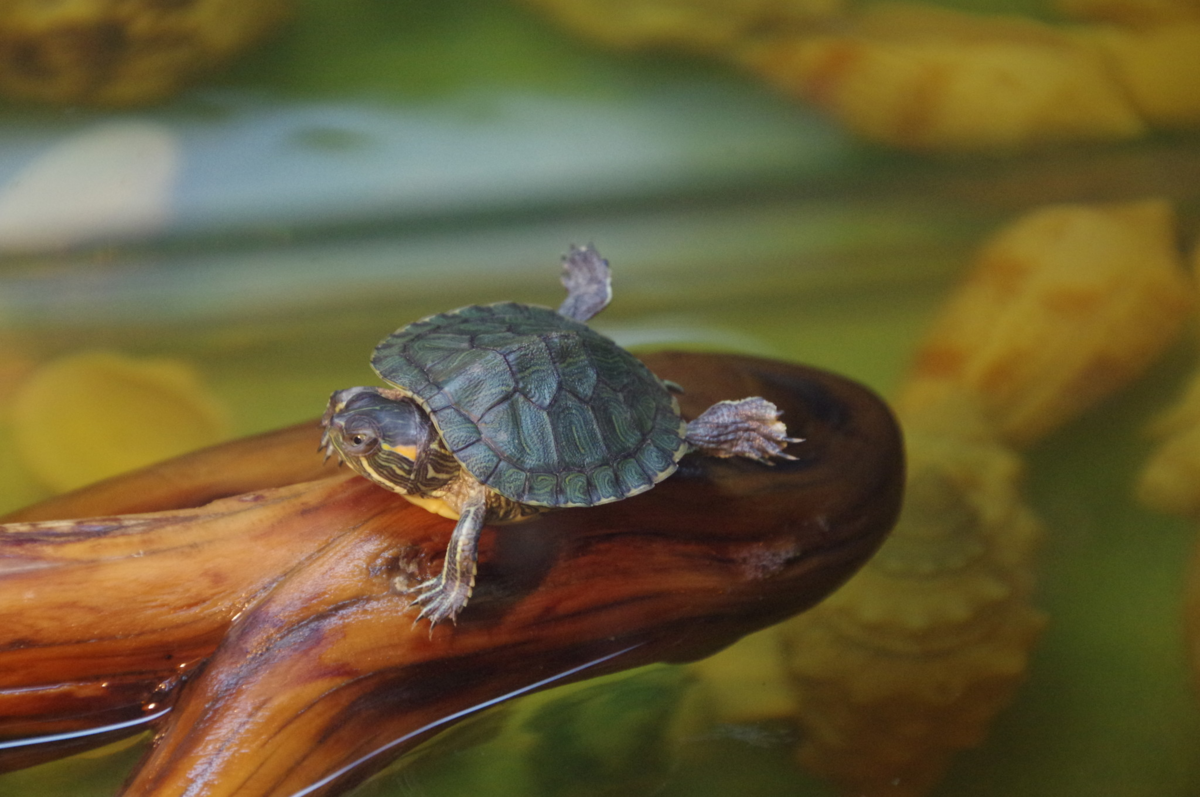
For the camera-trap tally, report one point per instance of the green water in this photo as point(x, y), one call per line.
point(380, 162)
point(1107, 708)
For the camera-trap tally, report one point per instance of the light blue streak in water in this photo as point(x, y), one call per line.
point(62, 737)
point(82, 734)
point(459, 715)
point(254, 161)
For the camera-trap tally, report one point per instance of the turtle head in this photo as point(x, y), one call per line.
point(389, 440)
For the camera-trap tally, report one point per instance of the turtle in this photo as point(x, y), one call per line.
point(498, 412)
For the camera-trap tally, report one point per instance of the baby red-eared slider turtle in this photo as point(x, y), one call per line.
point(501, 411)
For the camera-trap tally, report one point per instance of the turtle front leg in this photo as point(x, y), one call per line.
point(443, 597)
point(747, 428)
point(588, 281)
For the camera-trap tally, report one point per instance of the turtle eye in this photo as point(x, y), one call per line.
point(360, 436)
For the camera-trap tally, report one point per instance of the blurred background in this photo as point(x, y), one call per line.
point(210, 212)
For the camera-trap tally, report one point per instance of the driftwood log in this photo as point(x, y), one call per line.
point(242, 600)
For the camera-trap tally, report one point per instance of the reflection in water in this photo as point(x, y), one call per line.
point(99, 730)
point(909, 661)
point(451, 718)
point(109, 181)
point(787, 325)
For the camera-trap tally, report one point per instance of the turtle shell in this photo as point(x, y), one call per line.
point(537, 406)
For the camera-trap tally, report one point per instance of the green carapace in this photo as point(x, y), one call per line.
point(497, 412)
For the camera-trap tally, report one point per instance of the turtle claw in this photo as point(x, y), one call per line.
point(439, 600)
point(443, 597)
point(327, 446)
point(747, 428)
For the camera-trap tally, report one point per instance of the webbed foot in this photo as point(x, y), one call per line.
point(747, 428)
point(440, 598)
point(443, 597)
point(588, 281)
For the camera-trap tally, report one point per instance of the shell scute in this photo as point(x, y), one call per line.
point(507, 310)
point(427, 391)
point(578, 436)
point(542, 489)
point(604, 485)
point(572, 363)
point(479, 458)
point(389, 361)
point(645, 413)
point(476, 319)
point(438, 401)
point(457, 429)
point(459, 364)
point(614, 420)
point(496, 341)
point(524, 434)
point(654, 459)
point(508, 480)
point(479, 387)
point(536, 376)
point(632, 478)
point(667, 438)
point(610, 362)
point(575, 489)
point(433, 345)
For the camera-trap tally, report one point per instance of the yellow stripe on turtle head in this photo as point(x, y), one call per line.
point(408, 452)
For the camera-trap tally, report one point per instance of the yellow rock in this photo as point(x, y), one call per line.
point(1063, 307)
point(15, 366)
point(688, 24)
point(1158, 68)
point(909, 661)
point(1170, 480)
point(922, 78)
point(122, 52)
point(1134, 13)
point(88, 416)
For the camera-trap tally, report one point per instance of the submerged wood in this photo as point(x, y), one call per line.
point(269, 623)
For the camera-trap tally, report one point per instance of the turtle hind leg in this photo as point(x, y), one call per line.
point(443, 597)
point(747, 428)
point(588, 281)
